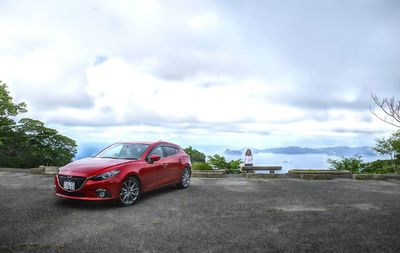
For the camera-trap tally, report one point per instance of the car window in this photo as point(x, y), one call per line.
point(123, 151)
point(157, 151)
point(171, 151)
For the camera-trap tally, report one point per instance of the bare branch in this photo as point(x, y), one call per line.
point(383, 104)
point(397, 110)
point(390, 107)
point(383, 119)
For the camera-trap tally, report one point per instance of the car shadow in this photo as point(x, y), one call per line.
point(82, 204)
point(110, 204)
point(157, 192)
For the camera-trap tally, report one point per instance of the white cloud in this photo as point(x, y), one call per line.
point(204, 21)
point(132, 93)
point(208, 72)
point(126, 94)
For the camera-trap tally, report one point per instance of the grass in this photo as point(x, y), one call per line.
point(201, 166)
point(319, 171)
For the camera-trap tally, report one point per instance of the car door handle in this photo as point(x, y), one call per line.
point(165, 165)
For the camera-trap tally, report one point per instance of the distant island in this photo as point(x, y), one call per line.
point(295, 150)
point(90, 149)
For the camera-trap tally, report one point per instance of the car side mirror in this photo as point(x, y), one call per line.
point(154, 158)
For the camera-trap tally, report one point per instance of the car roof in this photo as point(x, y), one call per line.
point(149, 142)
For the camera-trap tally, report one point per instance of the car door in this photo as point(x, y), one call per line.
point(154, 173)
point(173, 163)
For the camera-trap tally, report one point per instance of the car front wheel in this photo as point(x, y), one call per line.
point(130, 191)
point(185, 179)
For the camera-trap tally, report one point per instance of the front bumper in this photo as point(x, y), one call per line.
point(88, 189)
point(81, 198)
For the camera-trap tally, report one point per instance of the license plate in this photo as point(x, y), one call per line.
point(69, 185)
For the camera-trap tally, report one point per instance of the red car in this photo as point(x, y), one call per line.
point(123, 171)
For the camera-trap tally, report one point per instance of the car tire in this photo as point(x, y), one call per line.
point(129, 192)
point(185, 179)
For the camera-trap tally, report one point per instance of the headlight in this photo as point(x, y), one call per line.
point(105, 175)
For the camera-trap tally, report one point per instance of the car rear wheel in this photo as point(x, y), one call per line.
point(130, 191)
point(185, 179)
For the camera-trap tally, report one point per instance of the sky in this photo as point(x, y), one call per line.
point(222, 73)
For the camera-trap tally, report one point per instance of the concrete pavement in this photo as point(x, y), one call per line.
point(212, 215)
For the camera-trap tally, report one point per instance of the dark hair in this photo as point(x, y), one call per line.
point(248, 152)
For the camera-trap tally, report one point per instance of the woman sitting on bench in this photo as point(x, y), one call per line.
point(248, 158)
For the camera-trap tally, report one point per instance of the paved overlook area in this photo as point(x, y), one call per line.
point(213, 215)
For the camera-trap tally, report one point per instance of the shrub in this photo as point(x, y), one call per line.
point(353, 164)
point(234, 167)
point(201, 166)
point(390, 146)
point(195, 155)
point(379, 167)
point(220, 162)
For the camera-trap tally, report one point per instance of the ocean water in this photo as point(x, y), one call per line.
point(287, 161)
point(300, 161)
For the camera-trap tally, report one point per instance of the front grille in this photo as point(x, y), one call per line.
point(78, 180)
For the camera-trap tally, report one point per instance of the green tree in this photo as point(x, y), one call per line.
point(219, 162)
point(46, 145)
point(390, 146)
point(379, 167)
point(29, 143)
point(195, 155)
point(7, 107)
point(234, 166)
point(353, 164)
point(7, 110)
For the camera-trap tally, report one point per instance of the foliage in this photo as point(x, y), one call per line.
point(390, 146)
point(7, 107)
point(201, 166)
point(353, 164)
point(234, 167)
point(29, 143)
point(220, 162)
point(195, 155)
point(379, 167)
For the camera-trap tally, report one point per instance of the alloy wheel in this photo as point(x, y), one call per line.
point(129, 191)
point(185, 178)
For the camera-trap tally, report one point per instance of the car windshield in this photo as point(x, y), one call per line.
point(131, 151)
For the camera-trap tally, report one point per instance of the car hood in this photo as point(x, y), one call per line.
point(91, 165)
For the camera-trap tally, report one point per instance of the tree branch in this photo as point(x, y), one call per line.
point(390, 108)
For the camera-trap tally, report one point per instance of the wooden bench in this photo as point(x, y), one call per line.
point(254, 168)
